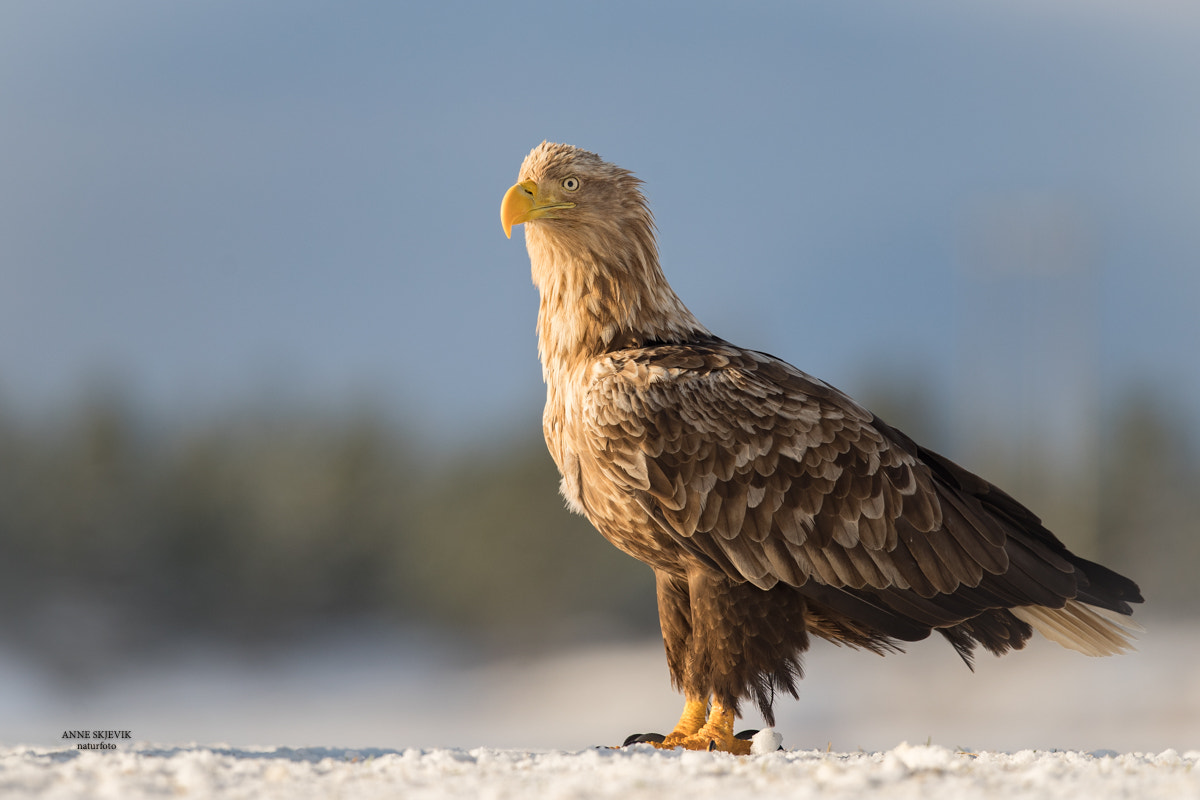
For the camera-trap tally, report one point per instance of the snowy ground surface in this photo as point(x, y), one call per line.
point(928, 772)
point(373, 716)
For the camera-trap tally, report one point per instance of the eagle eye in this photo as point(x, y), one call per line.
point(570, 184)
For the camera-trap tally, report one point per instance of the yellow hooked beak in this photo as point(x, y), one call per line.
point(520, 204)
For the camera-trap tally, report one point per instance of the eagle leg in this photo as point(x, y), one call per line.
point(695, 713)
point(703, 728)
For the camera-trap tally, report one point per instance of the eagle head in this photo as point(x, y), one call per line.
point(570, 189)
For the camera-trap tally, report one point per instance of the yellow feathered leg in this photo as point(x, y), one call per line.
point(703, 728)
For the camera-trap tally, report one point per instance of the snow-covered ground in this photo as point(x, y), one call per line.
point(370, 716)
point(927, 772)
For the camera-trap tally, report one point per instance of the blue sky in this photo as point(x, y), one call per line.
point(207, 204)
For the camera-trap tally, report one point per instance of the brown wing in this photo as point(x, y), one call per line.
point(771, 475)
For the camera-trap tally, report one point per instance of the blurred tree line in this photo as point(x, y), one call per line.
point(263, 527)
point(260, 528)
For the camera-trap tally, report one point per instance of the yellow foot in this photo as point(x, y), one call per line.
point(704, 728)
point(708, 739)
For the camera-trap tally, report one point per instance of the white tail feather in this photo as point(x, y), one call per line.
point(1083, 628)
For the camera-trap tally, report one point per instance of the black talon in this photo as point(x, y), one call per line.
point(712, 745)
point(643, 738)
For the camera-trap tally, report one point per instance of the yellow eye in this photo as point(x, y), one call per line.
point(570, 184)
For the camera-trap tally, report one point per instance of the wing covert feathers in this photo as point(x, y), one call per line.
point(771, 476)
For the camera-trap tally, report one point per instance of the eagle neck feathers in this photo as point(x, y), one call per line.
point(602, 290)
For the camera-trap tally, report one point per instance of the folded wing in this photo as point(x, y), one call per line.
point(771, 476)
